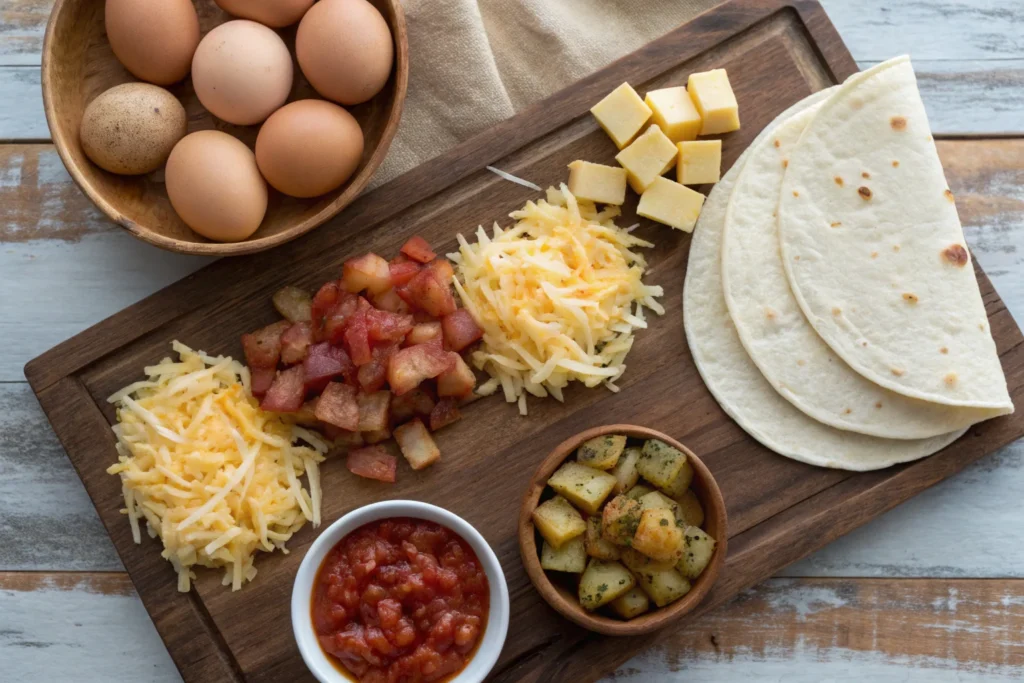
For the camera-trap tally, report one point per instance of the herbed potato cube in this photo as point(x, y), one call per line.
point(658, 537)
point(656, 500)
point(639, 491)
point(619, 520)
point(659, 580)
point(659, 463)
point(690, 511)
point(602, 582)
point(583, 486)
point(558, 521)
point(571, 557)
point(625, 472)
point(596, 545)
point(601, 452)
point(697, 551)
point(681, 483)
point(631, 604)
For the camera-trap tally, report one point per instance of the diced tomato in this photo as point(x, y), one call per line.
point(460, 330)
point(324, 301)
point(367, 272)
point(338, 315)
point(287, 392)
point(261, 379)
point(263, 347)
point(418, 249)
point(401, 273)
point(443, 269)
point(337, 406)
point(357, 339)
point(412, 365)
point(373, 410)
point(419, 401)
point(458, 380)
point(389, 301)
point(386, 326)
point(295, 343)
point(324, 363)
point(421, 333)
point(444, 413)
point(427, 293)
point(372, 462)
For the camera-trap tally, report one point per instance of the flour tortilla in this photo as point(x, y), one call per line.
point(776, 335)
point(874, 251)
point(735, 381)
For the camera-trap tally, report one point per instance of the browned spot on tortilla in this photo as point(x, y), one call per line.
point(898, 123)
point(795, 193)
point(943, 350)
point(895, 164)
point(878, 404)
point(801, 362)
point(785, 163)
point(864, 192)
point(981, 326)
point(837, 311)
point(865, 174)
point(910, 298)
point(839, 181)
point(898, 372)
point(874, 254)
point(857, 104)
point(836, 224)
point(895, 247)
point(769, 313)
point(864, 343)
point(950, 379)
point(948, 194)
point(847, 411)
point(777, 143)
point(956, 254)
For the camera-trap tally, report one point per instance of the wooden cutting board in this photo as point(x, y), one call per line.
point(776, 52)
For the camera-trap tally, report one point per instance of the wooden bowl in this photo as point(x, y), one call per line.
point(564, 600)
point(78, 65)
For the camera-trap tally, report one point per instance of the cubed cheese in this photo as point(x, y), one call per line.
point(670, 203)
point(648, 157)
point(714, 99)
point(700, 161)
point(622, 114)
point(674, 111)
point(597, 182)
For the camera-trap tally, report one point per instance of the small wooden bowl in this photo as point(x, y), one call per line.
point(565, 601)
point(78, 65)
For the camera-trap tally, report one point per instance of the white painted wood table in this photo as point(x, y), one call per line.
point(932, 591)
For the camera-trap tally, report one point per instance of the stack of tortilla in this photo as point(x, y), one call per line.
point(830, 302)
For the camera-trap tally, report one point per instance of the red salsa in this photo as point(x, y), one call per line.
point(401, 600)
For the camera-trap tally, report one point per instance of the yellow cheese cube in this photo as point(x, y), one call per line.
point(597, 182)
point(670, 203)
point(675, 112)
point(713, 96)
point(700, 161)
point(622, 114)
point(648, 157)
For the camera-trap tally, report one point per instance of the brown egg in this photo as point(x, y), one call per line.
point(242, 72)
point(275, 13)
point(308, 148)
point(154, 39)
point(215, 186)
point(345, 50)
point(131, 128)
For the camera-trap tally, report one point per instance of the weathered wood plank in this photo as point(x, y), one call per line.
point(22, 25)
point(92, 627)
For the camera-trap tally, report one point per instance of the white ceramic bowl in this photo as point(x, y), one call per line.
point(302, 624)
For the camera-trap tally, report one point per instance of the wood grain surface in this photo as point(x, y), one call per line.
point(59, 279)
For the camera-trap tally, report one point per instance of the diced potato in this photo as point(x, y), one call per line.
point(657, 536)
point(697, 551)
point(558, 521)
point(602, 582)
point(681, 483)
point(631, 604)
point(601, 452)
point(583, 486)
point(656, 500)
point(571, 557)
point(660, 580)
point(625, 472)
point(416, 444)
point(639, 491)
point(596, 545)
point(690, 511)
point(659, 463)
point(620, 519)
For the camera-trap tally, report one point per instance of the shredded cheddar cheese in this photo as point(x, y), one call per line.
point(558, 296)
point(214, 476)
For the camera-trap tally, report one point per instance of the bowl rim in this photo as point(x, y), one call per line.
point(495, 633)
point(60, 140)
point(571, 610)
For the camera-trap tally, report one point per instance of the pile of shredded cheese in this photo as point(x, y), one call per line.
point(558, 296)
point(213, 476)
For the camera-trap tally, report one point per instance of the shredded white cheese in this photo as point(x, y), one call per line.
point(558, 295)
point(213, 476)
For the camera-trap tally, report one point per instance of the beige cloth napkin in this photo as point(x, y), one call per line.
point(473, 63)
